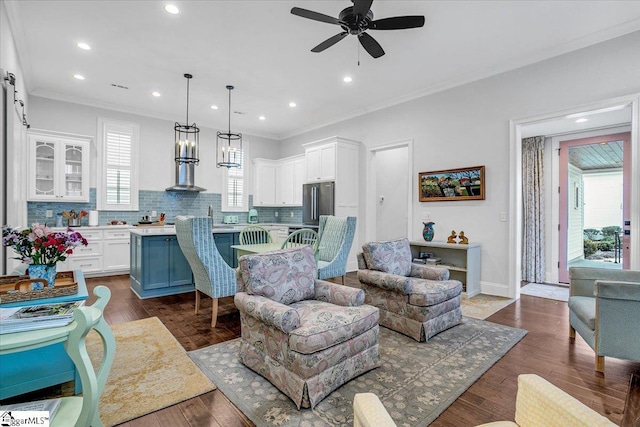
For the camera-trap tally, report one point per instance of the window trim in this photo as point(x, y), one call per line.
point(101, 190)
point(245, 189)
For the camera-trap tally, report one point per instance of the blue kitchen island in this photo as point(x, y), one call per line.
point(159, 268)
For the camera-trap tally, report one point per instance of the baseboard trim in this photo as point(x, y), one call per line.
point(497, 289)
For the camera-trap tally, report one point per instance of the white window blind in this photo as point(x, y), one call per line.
point(116, 186)
point(236, 198)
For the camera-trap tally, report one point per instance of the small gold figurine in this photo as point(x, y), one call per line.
point(452, 237)
point(463, 240)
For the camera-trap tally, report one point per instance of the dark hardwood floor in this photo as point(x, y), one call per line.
point(546, 350)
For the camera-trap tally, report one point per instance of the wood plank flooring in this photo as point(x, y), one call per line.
point(546, 351)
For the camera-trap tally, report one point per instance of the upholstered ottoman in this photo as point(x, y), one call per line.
point(415, 300)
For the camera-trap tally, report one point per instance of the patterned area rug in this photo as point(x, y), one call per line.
point(416, 382)
point(559, 293)
point(151, 371)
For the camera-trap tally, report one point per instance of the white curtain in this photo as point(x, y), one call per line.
point(533, 246)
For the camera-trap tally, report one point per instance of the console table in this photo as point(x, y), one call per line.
point(463, 261)
point(36, 368)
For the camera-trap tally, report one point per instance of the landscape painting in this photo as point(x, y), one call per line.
point(452, 184)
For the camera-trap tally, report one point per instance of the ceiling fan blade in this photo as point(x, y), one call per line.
point(361, 7)
point(309, 14)
point(397, 23)
point(329, 42)
point(371, 45)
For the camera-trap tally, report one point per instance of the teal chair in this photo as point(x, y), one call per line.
point(212, 274)
point(604, 309)
point(253, 235)
point(302, 237)
point(335, 240)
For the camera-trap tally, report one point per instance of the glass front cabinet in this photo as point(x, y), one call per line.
point(58, 167)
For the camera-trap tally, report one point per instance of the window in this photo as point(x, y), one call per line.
point(117, 188)
point(234, 197)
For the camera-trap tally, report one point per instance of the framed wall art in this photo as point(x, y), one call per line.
point(451, 184)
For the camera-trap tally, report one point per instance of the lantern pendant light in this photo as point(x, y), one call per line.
point(187, 138)
point(229, 144)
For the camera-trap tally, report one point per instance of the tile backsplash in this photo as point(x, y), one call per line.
point(170, 202)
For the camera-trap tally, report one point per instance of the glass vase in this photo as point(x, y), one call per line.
point(42, 271)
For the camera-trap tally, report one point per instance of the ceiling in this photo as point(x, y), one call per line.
point(264, 51)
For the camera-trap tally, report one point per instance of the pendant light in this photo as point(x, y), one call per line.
point(229, 144)
point(187, 137)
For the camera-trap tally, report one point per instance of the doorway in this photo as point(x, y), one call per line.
point(594, 201)
point(391, 186)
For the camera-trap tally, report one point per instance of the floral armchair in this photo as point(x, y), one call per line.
point(306, 336)
point(414, 299)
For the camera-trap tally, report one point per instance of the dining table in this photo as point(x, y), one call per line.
point(256, 248)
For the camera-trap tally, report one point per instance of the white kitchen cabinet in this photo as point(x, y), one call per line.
point(116, 250)
point(299, 176)
point(279, 182)
point(321, 163)
point(58, 167)
point(264, 193)
point(107, 252)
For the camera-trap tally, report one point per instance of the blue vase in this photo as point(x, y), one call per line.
point(41, 271)
point(427, 231)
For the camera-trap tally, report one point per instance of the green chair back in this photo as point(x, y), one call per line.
point(254, 234)
point(302, 237)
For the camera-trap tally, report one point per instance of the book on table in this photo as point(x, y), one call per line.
point(26, 318)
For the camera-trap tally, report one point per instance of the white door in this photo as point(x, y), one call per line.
point(391, 192)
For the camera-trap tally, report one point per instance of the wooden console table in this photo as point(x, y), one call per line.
point(463, 261)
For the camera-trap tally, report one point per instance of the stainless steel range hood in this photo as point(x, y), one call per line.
point(185, 177)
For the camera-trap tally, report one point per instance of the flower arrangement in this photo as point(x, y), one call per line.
point(39, 245)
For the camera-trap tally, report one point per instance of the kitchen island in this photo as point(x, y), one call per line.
point(158, 266)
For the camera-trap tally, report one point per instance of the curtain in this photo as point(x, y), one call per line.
point(533, 239)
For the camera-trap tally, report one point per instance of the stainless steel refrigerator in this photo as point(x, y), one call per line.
point(317, 199)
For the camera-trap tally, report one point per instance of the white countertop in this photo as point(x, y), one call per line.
point(169, 230)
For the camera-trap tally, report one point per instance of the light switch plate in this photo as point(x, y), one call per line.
point(503, 217)
point(49, 213)
point(154, 213)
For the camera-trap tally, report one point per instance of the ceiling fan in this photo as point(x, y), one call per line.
point(356, 20)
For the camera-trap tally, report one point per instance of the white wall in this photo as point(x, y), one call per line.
point(469, 126)
point(157, 167)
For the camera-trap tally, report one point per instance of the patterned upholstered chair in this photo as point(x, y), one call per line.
point(335, 239)
point(306, 336)
point(414, 299)
point(604, 309)
point(212, 274)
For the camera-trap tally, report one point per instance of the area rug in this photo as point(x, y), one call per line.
point(482, 306)
point(559, 293)
point(151, 371)
point(416, 381)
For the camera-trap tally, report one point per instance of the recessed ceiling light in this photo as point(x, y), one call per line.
point(83, 46)
point(214, 107)
point(154, 93)
point(582, 120)
point(78, 76)
point(347, 79)
point(262, 118)
point(172, 9)
point(292, 104)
